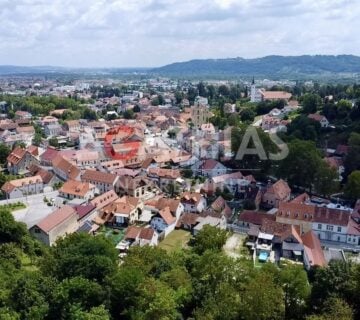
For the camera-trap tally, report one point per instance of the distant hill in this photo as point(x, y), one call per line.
point(47, 70)
point(274, 66)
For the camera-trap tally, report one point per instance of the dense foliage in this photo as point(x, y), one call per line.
point(80, 278)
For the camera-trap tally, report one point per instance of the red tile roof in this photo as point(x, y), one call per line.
point(66, 167)
point(49, 155)
point(255, 217)
point(98, 176)
point(146, 233)
point(165, 213)
point(55, 218)
point(313, 250)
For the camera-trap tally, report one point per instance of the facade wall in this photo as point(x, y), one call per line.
point(66, 227)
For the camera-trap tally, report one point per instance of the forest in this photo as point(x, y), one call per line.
point(81, 278)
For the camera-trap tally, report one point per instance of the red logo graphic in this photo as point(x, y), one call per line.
point(119, 144)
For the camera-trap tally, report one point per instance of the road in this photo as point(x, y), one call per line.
point(36, 209)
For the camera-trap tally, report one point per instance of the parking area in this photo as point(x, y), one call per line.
point(36, 209)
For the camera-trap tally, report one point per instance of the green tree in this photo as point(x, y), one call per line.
point(335, 279)
point(95, 313)
point(334, 309)
point(209, 238)
point(295, 284)
point(155, 300)
point(310, 102)
point(10, 230)
point(4, 153)
point(352, 160)
point(30, 296)
point(53, 141)
point(262, 299)
point(301, 165)
point(247, 115)
point(123, 289)
point(129, 114)
point(352, 187)
point(83, 293)
point(326, 180)
point(83, 255)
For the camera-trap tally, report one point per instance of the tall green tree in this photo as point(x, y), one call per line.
point(209, 238)
point(352, 187)
point(326, 180)
point(301, 165)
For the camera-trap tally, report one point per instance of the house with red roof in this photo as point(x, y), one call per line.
point(64, 169)
point(276, 192)
point(193, 202)
point(141, 236)
point(73, 189)
point(47, 157)
point(20, 159)
point(319, 118)
point(19, 188)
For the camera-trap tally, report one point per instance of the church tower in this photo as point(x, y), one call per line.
point(253, 91)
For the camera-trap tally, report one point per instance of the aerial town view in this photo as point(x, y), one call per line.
point(173, 160)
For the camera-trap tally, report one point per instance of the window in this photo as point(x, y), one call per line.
point(329, 228)
point(319, 226)
point(339, 229)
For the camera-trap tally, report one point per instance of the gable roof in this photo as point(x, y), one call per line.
point(104, 199)
point(55, 218)
point(9, 186)
point(165, 213)
point(66, 167)
point(84, 210)
point(316, 117)
point(313, 250)
point(280, 189)
point(49, 155)
point(255, 217)
point(76, 188)
point(146, 233)
point(98, 176)
point(276, 95)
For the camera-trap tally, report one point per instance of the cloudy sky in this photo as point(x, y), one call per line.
point(125, 33)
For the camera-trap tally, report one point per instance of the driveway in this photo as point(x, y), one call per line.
point(36, 209)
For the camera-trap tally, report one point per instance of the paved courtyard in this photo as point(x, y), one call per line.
point(36, 209)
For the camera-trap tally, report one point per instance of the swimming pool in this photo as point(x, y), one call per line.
point(263, 256)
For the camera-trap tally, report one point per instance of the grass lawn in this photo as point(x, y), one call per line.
point(13, 206)
point(176, 240)
point(115, 235)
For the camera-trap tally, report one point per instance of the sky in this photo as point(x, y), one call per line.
point(150, 33)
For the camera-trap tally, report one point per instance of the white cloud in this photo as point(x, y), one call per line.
point(156, 32)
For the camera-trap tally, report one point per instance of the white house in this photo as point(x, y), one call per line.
point(193, 202)
point(209, 168)
point(21, 187)
point(319, 118)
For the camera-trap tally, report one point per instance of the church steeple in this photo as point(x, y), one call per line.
point(253, 80)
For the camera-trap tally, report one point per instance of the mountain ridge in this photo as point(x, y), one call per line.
point(275, 65)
